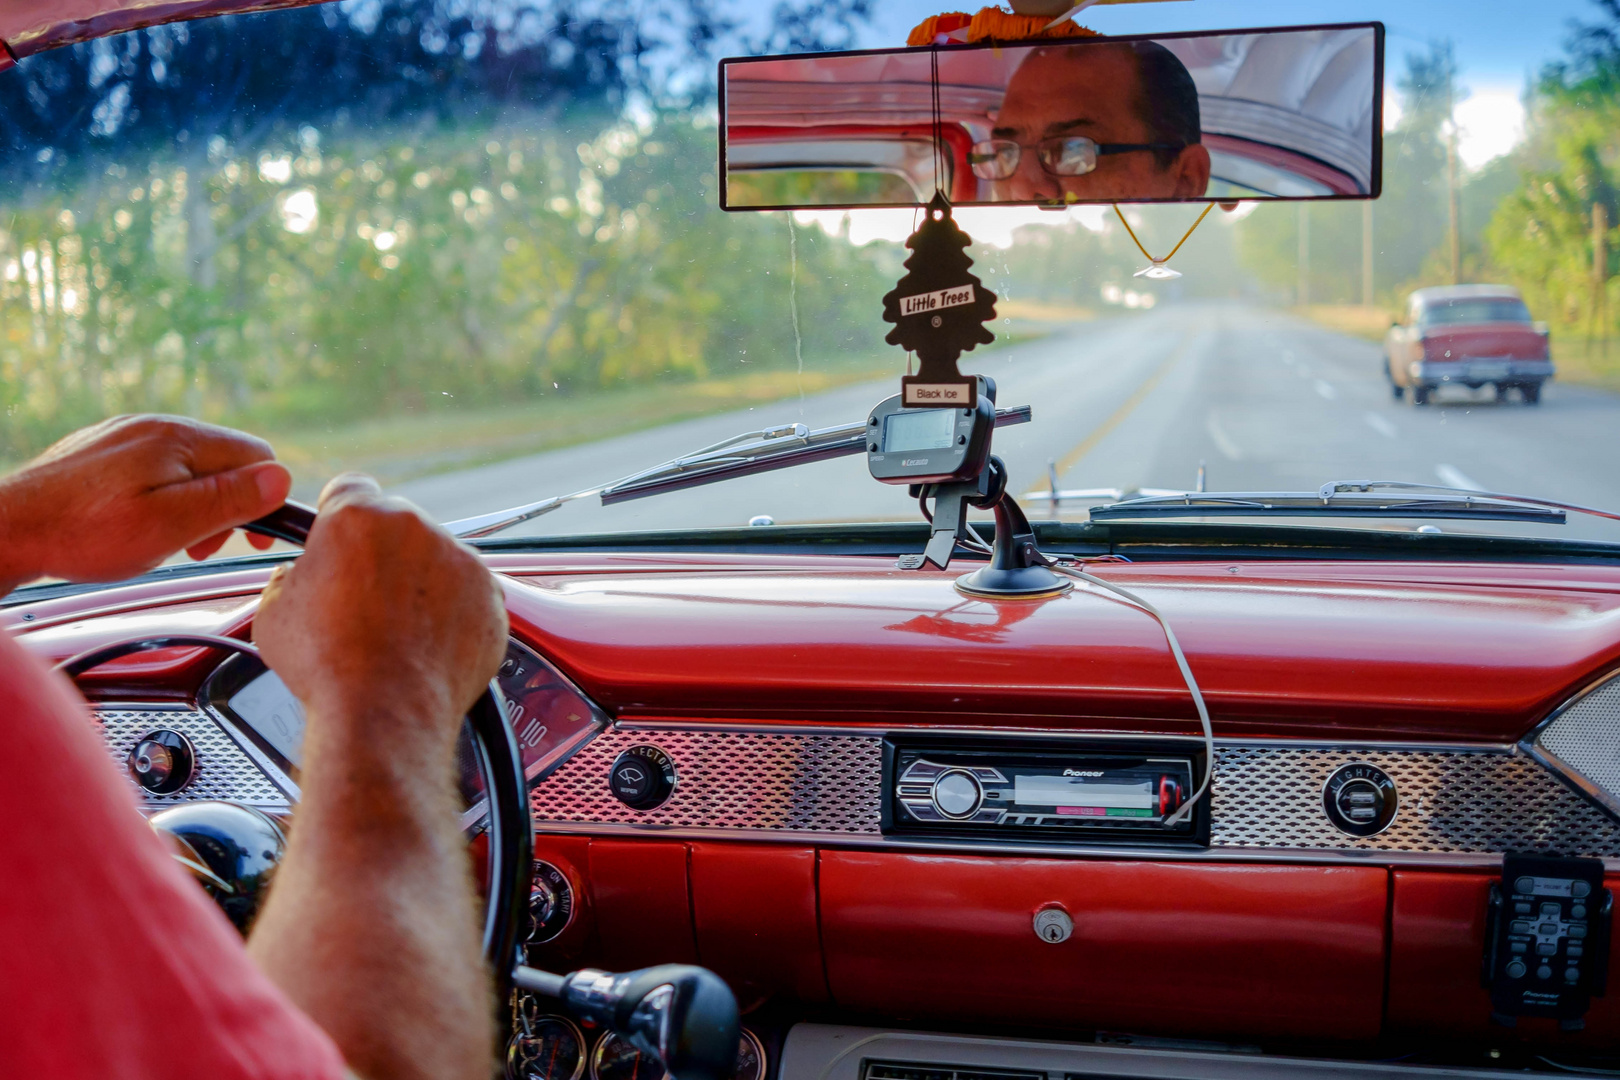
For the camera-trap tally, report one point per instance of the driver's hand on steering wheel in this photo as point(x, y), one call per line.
point(383, 606)
point(117, 498)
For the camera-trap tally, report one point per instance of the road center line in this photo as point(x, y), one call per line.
point(1101, 432)
point(1452, 476)
point(1325, 388)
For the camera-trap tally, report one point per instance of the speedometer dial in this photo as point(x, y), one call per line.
point(551, 1049)
point(616, 1058)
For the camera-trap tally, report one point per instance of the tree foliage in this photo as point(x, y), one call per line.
point(338, 212)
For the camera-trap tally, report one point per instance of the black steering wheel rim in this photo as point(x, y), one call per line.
point(510, 831)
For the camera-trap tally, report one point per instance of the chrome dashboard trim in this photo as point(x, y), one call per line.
point(844, 842)
point(278, 777)
point(1531, 745)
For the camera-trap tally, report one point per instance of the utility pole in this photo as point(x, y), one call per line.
point(1600, 276)
point(1452, 190)
point(1304, 254)
point(1366, 254)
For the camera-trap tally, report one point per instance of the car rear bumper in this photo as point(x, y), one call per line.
point(1481, 370)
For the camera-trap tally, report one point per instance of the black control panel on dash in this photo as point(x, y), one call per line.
point(1547, 951)
point(1041, 793)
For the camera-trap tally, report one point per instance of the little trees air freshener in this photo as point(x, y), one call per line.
point(939, 310)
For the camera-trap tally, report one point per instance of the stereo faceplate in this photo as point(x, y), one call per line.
point(1042, 791)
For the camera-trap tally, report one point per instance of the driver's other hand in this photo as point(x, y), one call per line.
point(116, 499)
point(385, 617)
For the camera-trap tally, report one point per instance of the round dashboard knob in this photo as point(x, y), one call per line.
point(957, 794)
point(1360, 799)
point(643, 777)
point(162, 762)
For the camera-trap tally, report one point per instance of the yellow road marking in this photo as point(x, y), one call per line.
point(1098, 434)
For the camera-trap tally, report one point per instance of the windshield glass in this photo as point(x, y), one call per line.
point(475, 248)
point(1447, 312)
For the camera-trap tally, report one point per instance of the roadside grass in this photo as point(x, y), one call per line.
point(1589, 363)
point(408, 445)
point(1357, 320)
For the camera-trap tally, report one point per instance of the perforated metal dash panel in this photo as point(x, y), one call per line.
point(725, 779)
point(1451, 801)
point(223, 770)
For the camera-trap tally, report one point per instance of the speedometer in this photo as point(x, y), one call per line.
point(551, 1048)
point(549, 715)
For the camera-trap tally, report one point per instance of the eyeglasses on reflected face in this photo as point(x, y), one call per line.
point(1063, 155)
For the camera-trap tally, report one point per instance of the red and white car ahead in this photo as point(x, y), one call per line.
point(1467, 335)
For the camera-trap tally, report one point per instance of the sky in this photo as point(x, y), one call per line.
point(1499, 44)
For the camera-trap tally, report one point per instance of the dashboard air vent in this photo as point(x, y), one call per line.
point(1583, 741)
point(917, 1070)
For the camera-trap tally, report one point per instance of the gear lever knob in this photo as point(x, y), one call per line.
point(686, 1015)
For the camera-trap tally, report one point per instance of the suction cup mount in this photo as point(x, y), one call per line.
point(1017, 569)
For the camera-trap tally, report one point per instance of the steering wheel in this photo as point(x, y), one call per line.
point(511, 838)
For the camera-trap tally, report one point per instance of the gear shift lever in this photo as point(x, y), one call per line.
point(685, 1015)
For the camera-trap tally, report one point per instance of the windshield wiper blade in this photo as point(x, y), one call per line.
point(757, 452)
point(1333, 488)
point(1348, 501)
point(751, 452)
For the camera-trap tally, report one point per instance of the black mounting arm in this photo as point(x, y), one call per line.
point(1017, 568)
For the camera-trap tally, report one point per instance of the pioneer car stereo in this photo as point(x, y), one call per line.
point(1079, 792)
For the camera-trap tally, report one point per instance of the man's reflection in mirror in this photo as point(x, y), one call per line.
point(1096, 123)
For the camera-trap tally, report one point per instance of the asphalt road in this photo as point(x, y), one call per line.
point(1264, 400)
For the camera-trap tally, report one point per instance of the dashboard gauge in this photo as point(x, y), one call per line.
point(551, 903)
point(750, 1058)
point(617, 1058)
point(551, 1049)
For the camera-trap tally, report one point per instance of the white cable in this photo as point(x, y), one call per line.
point(1186, 673)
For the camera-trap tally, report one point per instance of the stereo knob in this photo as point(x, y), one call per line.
point(957, 794)
point(162, 762)
point(643, 778)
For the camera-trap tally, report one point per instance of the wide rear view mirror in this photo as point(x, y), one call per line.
point(1288, 113)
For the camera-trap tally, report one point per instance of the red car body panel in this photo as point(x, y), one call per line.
point(1515, 341)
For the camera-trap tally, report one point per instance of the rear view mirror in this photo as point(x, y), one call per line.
point(1254, 114)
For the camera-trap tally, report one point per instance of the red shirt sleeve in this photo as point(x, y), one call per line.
point(113, 963)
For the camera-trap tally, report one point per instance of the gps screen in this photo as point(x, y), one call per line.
point(918, 429)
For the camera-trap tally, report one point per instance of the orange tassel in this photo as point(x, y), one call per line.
point(992, 24)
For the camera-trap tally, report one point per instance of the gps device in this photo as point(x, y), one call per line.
point(930, 445)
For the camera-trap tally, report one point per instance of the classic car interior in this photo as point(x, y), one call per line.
point(1197, 786)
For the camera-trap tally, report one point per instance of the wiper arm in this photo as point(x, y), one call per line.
point(1336, 487)
point(1333, 501)
point(741, 455)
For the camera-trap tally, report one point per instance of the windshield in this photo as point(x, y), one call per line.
point(476, 249)
point(1450, 312)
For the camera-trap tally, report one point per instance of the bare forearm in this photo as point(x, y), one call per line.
point(371, 926)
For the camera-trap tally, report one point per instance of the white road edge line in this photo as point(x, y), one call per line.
point(1381, 425)
point(1452, 476)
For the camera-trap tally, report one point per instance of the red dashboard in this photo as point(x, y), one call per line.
point(773, 683)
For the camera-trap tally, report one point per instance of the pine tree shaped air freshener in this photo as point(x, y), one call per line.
point(939, 310)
